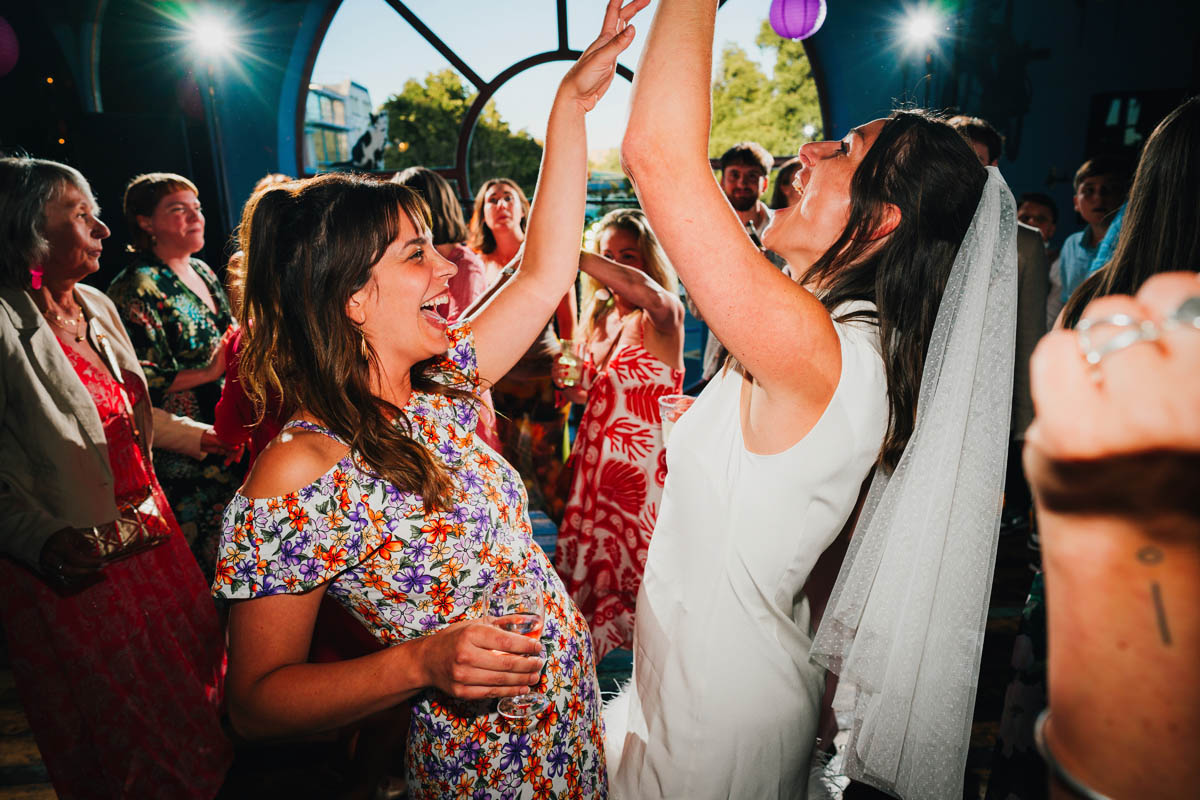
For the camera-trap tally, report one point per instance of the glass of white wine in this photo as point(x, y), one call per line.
point(517, 605)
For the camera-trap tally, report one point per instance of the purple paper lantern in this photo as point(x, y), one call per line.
point(797, 19)
point(9, 49)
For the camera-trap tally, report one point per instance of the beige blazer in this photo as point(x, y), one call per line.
point(54, 467)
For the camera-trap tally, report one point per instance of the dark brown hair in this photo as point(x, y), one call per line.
point(977, 129)
point(141, 198)
point(482, 240)
point(922, 166)
point(1159, 231)
point(448, 225)
point(787, 171)
point(747, 154)
point(309, 246)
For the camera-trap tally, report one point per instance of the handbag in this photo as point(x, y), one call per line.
point(140, 524)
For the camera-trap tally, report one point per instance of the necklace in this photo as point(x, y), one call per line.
point(76, 326)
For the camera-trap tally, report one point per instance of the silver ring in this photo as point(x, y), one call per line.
point(1133, 330)
point(1187, 315)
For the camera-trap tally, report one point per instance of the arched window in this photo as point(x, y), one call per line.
point(466, 86)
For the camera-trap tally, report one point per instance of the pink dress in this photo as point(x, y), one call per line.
point(121, 679)
point(618, 467)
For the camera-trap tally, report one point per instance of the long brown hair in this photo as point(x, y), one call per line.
point(482, 239)
point(1159, 230)
point(309, 246)
point(922, 166)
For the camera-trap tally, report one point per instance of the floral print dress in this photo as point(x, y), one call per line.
point(405, 574)
point(618, 468)
point(172, 330)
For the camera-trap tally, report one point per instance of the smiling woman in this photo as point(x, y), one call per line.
point(178, 317)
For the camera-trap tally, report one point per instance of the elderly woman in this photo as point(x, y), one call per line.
point(177, 313)
point(118, 664)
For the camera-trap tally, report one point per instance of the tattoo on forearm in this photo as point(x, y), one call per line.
point(1153, 556)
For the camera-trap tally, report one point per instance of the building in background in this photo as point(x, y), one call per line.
point(335, 116)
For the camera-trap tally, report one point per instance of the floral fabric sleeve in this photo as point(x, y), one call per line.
point(140, 303)
point(296, 542)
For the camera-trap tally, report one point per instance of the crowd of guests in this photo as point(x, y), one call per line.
point(364, 414)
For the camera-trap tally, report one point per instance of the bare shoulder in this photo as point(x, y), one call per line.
point(293, 460)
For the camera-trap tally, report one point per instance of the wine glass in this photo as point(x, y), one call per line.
point(517, 605)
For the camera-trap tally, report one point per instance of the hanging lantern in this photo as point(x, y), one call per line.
point(797, 19)
point(9, 49)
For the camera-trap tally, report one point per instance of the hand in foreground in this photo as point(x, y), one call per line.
point(1121, 434)
point(589, 78)
point(472, 660)
point(67, 557)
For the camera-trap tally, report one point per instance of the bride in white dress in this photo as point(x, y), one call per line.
point(771, 462)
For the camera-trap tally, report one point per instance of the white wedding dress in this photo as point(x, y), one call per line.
point(724, 701)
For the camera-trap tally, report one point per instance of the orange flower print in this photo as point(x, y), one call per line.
point(389, 547)
point(443, 601)
point(437, 530)
point(224, 572)
point(298, 516)
point(334, 557)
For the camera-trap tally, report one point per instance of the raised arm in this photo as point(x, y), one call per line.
point(759, 314)
point(511, 320)
point(663, 309)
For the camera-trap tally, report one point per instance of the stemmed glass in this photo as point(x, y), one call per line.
point(517, 605)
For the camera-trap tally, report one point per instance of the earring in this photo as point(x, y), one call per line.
point(35, 276)
point(362, 346)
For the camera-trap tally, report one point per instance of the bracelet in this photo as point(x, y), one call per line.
point(1069, 781)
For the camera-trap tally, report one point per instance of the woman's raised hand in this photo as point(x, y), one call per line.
point(589, 78)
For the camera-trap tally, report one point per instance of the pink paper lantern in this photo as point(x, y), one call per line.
point(9, 50)
point(797, 19)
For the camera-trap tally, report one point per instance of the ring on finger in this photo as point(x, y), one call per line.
point(1132, 330)
point(1186, 315)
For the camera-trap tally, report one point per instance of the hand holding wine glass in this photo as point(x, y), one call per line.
point(517, 605)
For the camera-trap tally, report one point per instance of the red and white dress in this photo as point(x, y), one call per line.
point(618, 468)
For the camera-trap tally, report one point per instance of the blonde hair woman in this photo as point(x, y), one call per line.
point(632, 345)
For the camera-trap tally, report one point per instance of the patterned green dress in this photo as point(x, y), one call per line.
point(172, 330)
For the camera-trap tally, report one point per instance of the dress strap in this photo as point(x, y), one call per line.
point(314, 428)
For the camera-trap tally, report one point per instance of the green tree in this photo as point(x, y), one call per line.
point(423, 125)
point(747, 105)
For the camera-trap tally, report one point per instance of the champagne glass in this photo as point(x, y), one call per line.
point(671, 408)
point(570, 364)
point(517, 605)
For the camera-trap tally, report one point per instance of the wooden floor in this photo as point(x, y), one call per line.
point(263, 772)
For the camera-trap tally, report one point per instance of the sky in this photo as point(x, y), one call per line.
point(371, 44)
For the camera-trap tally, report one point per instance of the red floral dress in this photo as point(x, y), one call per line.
point(619, 466)
point(121, 681)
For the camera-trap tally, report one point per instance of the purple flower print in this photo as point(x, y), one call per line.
point(550, 631)
point(558, 759)
point(514, 750)
point(470, 750)
point(419, 550)
point(462, 356)
point(471, 482)
point(308, 491)
point(429, 622)
point(486, 576)
point(464, 414)
point(448, 450)
point(290, 552)
point(310, 570)
point(355, 544)
point(246, 571)
point(359, 517)
point(511, 495)
point(457, 515)
point(412, 580)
